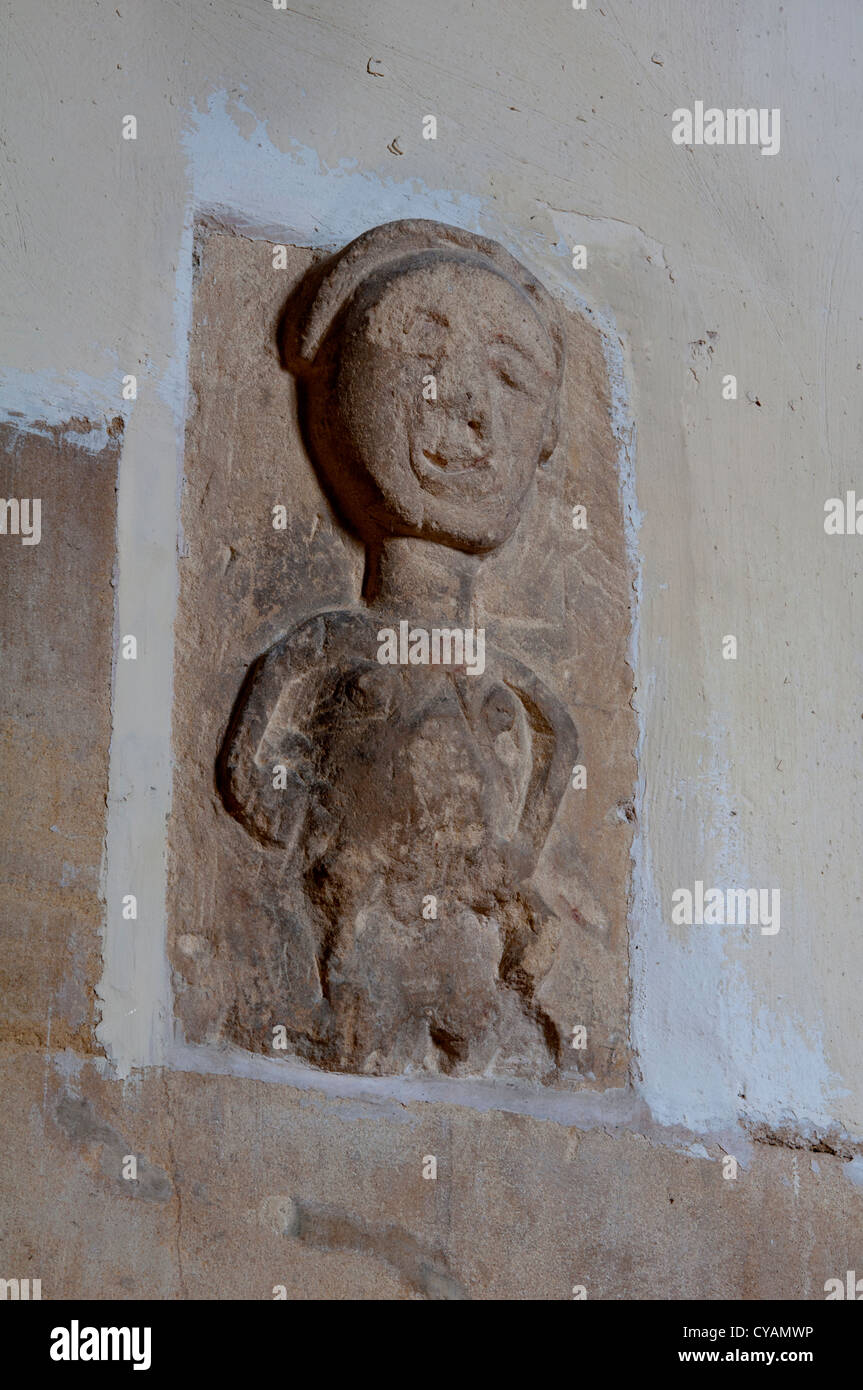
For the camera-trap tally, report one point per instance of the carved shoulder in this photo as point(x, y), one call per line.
point(555, 750)
point(266, 771)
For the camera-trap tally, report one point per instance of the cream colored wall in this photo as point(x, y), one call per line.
point(554, 127)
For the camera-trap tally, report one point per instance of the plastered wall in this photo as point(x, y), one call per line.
point(304, 125)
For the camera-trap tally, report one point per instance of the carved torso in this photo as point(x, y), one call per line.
point(395, 786)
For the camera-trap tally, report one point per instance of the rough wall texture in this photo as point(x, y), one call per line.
point(245, 1186)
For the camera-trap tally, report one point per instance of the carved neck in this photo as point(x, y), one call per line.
point(416, 578)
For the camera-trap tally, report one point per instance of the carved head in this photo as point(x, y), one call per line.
point(432, 361)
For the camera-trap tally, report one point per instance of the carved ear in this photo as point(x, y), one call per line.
point(551, 437)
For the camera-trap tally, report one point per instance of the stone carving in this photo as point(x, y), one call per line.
point(410, 798)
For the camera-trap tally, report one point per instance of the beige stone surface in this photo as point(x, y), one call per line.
point(555, 598)
point(56, 638)
point(244, 1186)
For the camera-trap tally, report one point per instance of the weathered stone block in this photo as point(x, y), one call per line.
point(376, 843)
point(55, 715)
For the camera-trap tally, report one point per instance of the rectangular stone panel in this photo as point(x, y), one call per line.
point(555, 604)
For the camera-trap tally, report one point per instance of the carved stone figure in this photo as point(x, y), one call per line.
point(411, 801)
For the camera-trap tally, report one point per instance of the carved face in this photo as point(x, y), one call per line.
point(449, 459)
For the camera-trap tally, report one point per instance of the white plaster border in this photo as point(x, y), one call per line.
point(235, 188)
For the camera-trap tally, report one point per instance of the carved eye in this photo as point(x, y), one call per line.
point(500, 711)
point(368, 692)
point(435, 317)
point(509, 379)
point(428, 331)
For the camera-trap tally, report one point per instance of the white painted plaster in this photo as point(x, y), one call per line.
point(554, 128)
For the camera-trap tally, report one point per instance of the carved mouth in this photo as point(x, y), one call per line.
point(468, 463)
point(435, 470)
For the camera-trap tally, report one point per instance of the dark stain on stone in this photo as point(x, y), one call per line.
point(332, 1228)
point(79, 1122)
